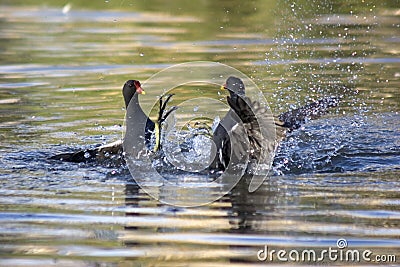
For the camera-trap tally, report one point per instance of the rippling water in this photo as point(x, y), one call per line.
point(61, 71)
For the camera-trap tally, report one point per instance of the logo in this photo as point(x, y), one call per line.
point(340, 253)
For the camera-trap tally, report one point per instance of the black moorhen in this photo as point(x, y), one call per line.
point(243, 110)
point(112, 154)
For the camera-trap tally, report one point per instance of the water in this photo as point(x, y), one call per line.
point(61, 73)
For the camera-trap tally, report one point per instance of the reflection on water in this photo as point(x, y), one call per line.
point(60, 79)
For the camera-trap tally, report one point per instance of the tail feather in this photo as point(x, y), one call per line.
point(104, 153)
point(293, 119)
point(86, 155)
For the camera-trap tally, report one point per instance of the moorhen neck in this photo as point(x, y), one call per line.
point(131, 90)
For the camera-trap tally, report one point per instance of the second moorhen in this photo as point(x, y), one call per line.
point(242, 123)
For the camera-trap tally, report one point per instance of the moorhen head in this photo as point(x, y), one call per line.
point(235, 87)
point(130, 88)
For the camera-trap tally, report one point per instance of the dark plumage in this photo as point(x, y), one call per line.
point(242, 122)
point(136, 120)
point(243, 125)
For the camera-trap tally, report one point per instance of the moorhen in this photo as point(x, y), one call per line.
point(243, 118)
point(112, 154)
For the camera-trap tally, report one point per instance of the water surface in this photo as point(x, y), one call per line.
point(61, 73)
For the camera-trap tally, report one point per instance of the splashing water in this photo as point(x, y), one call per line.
point(188, 150)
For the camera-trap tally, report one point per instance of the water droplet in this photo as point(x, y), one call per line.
point(66, 8)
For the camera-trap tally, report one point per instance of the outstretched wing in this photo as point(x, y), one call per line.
point(293, 119)
point(258, 124)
